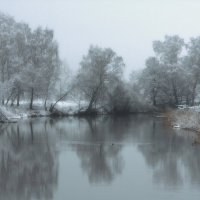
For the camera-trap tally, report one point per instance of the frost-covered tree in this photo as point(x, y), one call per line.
point(21, 59)
point(29, 61)
point(192, 67)
point(162, 79)
point(7, 30)
point(169, 77)
point(151, 79)
point(99, 72)
point(43, 63)
point(169, 53)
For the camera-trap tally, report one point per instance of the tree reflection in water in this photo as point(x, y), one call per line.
point(171, 156)
point(29, 152)
point(100, 156)
point(28, 164)
point(101, 162)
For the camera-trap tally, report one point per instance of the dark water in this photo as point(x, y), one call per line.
point(135, 157)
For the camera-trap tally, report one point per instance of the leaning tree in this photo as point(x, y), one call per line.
point(100, 71)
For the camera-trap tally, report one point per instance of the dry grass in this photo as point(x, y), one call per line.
point(186, 119)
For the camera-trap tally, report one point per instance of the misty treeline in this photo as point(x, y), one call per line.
point(30, 69)
point(29, 61)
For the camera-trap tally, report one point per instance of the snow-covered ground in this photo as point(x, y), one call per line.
point(23, 111)
point(189, 108)
point(71, 107)
point(8, 113)
point(194, 108)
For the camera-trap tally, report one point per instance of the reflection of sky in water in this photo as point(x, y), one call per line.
point(107, 158)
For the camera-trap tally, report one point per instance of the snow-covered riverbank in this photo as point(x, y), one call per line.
point(185, 118)
point(23, 111)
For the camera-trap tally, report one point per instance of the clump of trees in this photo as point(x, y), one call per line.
point(29, 61)
point(30, 68)
point(101, 84)
point(99, 75)
point(172, 76)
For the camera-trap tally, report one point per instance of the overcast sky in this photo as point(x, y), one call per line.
point(127, 26)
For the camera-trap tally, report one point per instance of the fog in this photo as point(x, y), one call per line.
point(128, 27)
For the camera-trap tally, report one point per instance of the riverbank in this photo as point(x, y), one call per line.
point(184, 119)
point(62, 109)
point(14, 113)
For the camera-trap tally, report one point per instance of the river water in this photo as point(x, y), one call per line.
point(136, 157)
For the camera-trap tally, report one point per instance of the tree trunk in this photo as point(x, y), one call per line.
point(3, 82)
point(93, 99)
point(31, 128)
point(193, 92)
point(8, 99)
point(12, 101)
point(32, 95)
point(18, 135)
point(18, 97)
point(51, 109)
point(154, 101)
point(89, 108)
point(175, 94)
point(154, 93)
point(45, 104)
point(187, 100)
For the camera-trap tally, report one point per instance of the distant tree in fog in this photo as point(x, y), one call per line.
point(168, 53)
point(151, 79)
point(163, 79)
point(192, 67)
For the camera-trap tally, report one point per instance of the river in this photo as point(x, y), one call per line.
point(135, 157)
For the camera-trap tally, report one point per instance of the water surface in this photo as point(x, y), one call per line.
point(136, 157)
